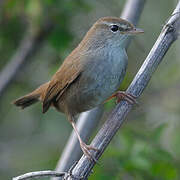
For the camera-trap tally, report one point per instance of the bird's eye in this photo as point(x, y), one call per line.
point(114, 28)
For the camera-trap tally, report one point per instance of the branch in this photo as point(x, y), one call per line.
point(48, 173)
point(28, 46)
point(39, 174)
point(168, 35)
point(89, 120)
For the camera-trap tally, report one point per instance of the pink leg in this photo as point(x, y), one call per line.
point(85, 148)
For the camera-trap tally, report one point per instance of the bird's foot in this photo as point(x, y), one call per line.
point(122, 95)
point(86, 150)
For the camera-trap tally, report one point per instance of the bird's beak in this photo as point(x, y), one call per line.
point(135, 31)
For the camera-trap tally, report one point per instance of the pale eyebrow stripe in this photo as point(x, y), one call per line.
point(124, 26)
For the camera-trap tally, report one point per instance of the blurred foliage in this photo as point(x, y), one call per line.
point(137, 158)
point(147, 146)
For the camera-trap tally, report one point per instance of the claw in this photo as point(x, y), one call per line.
point(121, 95)
point(126, 96)
point(91, 148)
point(86, 150)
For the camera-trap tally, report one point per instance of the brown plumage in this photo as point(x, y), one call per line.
point(62, 79)
point(31, 98)
point(89, 75)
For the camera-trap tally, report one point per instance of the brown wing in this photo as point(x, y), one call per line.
point(68, 73)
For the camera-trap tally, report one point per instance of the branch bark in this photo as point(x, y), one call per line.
point(89, 120)
point(28, 46)
point(40, 174)
point(167, 36)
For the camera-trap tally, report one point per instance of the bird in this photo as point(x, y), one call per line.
point(89, 76)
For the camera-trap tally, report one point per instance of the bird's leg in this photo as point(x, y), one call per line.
point(85, 148)
point(122, 95)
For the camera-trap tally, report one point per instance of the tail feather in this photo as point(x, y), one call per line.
point(27, 100)
point(32, 97)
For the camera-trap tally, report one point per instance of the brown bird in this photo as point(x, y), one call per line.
point(89, 75)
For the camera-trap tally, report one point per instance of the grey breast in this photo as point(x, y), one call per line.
point(101, 78)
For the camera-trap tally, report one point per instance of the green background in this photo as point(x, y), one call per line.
point(147, 145)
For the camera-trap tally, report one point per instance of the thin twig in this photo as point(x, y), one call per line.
point(168, 35)
point(48, 173)
point(39, 174)
point(89, 120)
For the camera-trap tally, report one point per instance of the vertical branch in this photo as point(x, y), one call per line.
point(132, 10)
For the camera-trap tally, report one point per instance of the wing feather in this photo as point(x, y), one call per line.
point(67, 74)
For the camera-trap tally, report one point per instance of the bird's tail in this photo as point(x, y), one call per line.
point(32, 97)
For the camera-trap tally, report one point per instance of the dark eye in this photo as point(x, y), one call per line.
point(114, 28)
